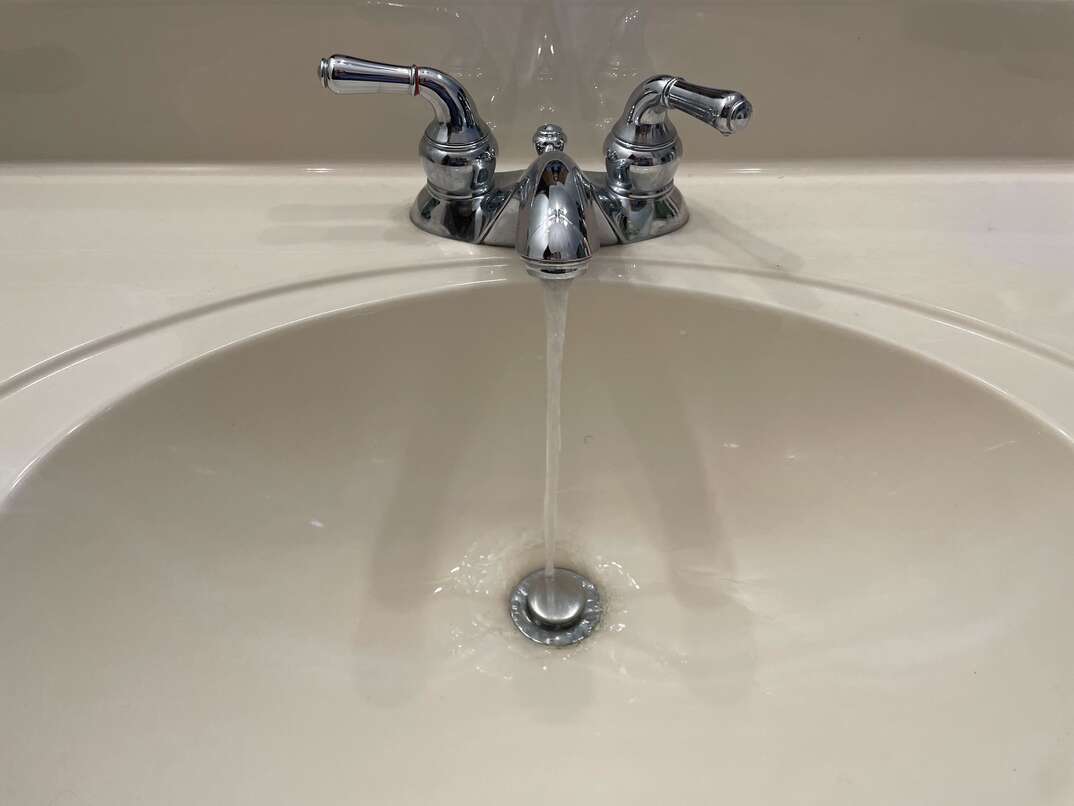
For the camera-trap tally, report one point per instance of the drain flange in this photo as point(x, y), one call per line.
point(556, 610)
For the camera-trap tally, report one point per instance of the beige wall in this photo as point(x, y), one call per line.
point(236, 79)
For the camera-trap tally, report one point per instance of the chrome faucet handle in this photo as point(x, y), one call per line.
point(642, 151)
point(458, 151)
point(727, 111)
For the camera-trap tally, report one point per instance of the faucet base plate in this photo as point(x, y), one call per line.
point(492, 218)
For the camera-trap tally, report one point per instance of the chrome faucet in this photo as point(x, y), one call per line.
point(555, 214)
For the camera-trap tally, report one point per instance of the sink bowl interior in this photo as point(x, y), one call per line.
point(834, 571)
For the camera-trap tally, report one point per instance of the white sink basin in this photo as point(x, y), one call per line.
point(834, 571)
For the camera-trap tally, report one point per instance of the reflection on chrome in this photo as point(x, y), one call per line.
point(555, 214)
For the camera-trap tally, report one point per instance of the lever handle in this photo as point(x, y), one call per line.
point(726, 111)
point(457, 151)
point(642, 151)
point(346, 75)
point(456, 120)
point(644, 120)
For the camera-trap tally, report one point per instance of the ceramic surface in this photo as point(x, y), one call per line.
point(251, 421)
point(834, 571)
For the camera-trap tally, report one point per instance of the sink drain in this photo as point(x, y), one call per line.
point(556, 610)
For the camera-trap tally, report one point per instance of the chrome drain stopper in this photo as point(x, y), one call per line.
point(555, 609)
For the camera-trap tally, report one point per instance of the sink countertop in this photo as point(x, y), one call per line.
point(112, 274)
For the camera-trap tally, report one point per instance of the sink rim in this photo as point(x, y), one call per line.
point(604, 268)
point(1031, 376)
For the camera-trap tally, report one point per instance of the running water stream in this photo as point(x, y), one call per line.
point(555, 319)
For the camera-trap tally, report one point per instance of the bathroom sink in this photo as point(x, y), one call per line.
point(834, 571)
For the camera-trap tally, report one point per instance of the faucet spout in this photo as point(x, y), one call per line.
point(557, 211)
